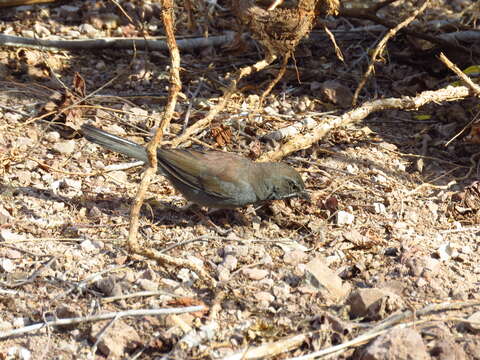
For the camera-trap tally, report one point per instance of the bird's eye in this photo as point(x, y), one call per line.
point(293, 185)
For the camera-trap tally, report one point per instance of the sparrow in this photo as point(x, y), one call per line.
point(214, 179)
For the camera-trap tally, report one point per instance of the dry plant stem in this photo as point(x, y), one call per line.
point(203, 123)
point(381, 46)
point(110, 299)
point(101, 317)
point(175, 86)
point(468, 82)
point(300, 142)
point(7, 3)
point(275, 81)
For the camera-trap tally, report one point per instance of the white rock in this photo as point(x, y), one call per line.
point(88, 246)
point(445, 252)
point(379, 208)
point(345, 218)
point(6, 265)
point(352, 169)
point(65, 147)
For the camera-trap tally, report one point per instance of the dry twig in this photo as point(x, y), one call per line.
point(100, 317)
point(381, 45)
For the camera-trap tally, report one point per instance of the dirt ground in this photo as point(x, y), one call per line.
point(392, 227)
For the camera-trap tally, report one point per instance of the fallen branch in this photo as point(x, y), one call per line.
point(114, 43)
point(161, 125)
point(300, 142)
point(445, 41)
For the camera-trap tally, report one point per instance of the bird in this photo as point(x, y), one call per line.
point(213, 179)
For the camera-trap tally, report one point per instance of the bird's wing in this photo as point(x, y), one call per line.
point(200, 170)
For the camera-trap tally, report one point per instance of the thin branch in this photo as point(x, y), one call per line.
point(232, 88)
point(468, 82)
point(381, 45)
point(100, 317)
point(175, 86)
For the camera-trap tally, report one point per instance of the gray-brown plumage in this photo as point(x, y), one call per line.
point(213, 179)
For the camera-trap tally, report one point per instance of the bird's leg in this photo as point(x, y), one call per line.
point(207, 221)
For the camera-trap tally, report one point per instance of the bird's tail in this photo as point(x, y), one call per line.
point(114, 143)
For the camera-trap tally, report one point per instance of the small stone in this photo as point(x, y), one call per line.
point(7, 265)
point(379, 208)
point(320, 276)
point(445, 252)
point(137, 115)
point(24, 177)
point(432, 267)
point(373, 303)
point(344, 218)
point(230, 262)
point(473, 323)
point(186, 275)
point(398, 343)
point(223, 273)
point(52, 137)
point(5, 326)
point(294, 257)
point(98, 244)
point(379, 178)
point(24, 354)
point(352, 169)
point(28, 34)
point(5, 216)
point(118, 176)
point(41, 31)
point(65, 147)
point(116, 340)
point(87, 29)
point(20, 322)
point(255, 274)
point(148, 285)
point(88, 246)
point(264, 296)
